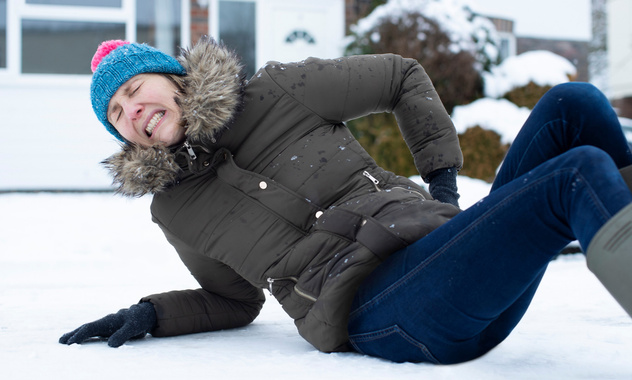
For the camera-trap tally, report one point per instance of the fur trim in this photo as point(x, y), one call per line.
point(213, 89)
point(137, 171)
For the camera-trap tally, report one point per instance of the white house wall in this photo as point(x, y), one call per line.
point(620, 48)
point(50, 137)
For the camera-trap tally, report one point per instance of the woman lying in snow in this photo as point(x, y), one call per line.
point(258, 185)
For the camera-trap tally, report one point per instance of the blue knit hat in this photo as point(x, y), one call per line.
point(117, 61)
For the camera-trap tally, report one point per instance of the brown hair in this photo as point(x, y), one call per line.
point(177, 81)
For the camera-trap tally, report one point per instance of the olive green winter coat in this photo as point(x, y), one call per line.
point(271, 191)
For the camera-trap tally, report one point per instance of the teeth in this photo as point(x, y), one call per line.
point(152, 123)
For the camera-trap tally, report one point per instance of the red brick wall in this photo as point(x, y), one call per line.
point(199, 21)
point(624, 107)
point(355, 10)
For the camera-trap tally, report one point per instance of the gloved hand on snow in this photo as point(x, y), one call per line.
point(127, 324)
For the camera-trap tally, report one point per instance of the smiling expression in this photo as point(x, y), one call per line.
point(144, 111)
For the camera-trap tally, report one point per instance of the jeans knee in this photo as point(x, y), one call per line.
point(578, 89)
point(590, 161)
point(588, 154)
point(578, 97)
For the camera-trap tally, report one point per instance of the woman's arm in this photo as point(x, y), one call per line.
point(225, 300)
point(343, 89)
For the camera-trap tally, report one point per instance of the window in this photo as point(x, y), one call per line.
point(89, 3)
point(158, 24)
point(3, 34)
point(504, 48)
point(60, 36)
point(237, 30)
point(63, 47)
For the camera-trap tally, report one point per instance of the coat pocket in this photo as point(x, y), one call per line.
point(295, 301)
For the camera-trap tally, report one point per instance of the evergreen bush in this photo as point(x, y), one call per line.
point(483, 151)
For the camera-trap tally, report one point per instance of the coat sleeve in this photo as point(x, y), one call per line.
point(225, 301)
point(343, 89)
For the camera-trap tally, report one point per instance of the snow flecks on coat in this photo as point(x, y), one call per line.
point(137, 171)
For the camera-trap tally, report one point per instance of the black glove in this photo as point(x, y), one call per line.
point(130, 323)
point(443, 185)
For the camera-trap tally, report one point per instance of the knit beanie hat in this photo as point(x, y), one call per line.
point(117, 61)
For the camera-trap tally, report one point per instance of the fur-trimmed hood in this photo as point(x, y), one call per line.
point(213, 88)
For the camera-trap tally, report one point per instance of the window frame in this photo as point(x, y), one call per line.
point(213, 25)
point(18, 10)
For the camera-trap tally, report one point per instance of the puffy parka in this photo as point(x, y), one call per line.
point(271, 190)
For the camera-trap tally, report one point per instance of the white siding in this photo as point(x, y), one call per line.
point(50, 137)
point(620, 47)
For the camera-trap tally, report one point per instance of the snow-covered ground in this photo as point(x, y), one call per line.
point(67, 259)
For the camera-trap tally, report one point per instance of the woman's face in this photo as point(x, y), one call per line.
point(144, 111)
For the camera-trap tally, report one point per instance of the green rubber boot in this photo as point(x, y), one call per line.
point(609, 257)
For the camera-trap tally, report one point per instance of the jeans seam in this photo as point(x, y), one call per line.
point(394, 329)
point(532, 141)
point(599, 206)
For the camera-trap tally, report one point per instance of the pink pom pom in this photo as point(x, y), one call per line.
point(104, 49)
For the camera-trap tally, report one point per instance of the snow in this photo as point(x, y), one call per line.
point(540, 67)
point(68, 259)
point(498, 115)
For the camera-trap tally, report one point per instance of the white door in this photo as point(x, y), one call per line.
point(278, 30)
point(294, 30)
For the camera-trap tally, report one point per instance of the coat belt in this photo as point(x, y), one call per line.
point(364, 230)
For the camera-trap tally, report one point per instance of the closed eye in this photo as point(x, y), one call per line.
point(114, 114)
point(129, 94)
point(135, 90)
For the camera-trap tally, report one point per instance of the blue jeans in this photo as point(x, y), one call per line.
point(458, 292)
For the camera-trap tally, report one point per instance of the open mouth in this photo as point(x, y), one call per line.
point(153, 122)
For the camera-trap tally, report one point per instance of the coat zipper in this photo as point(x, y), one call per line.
point(189, 149)
point(296, 289)
point(374, 180)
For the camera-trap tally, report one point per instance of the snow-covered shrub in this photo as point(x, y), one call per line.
point(452, 43)
point(483, 151)
point(523, 79)
point(465, 30)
